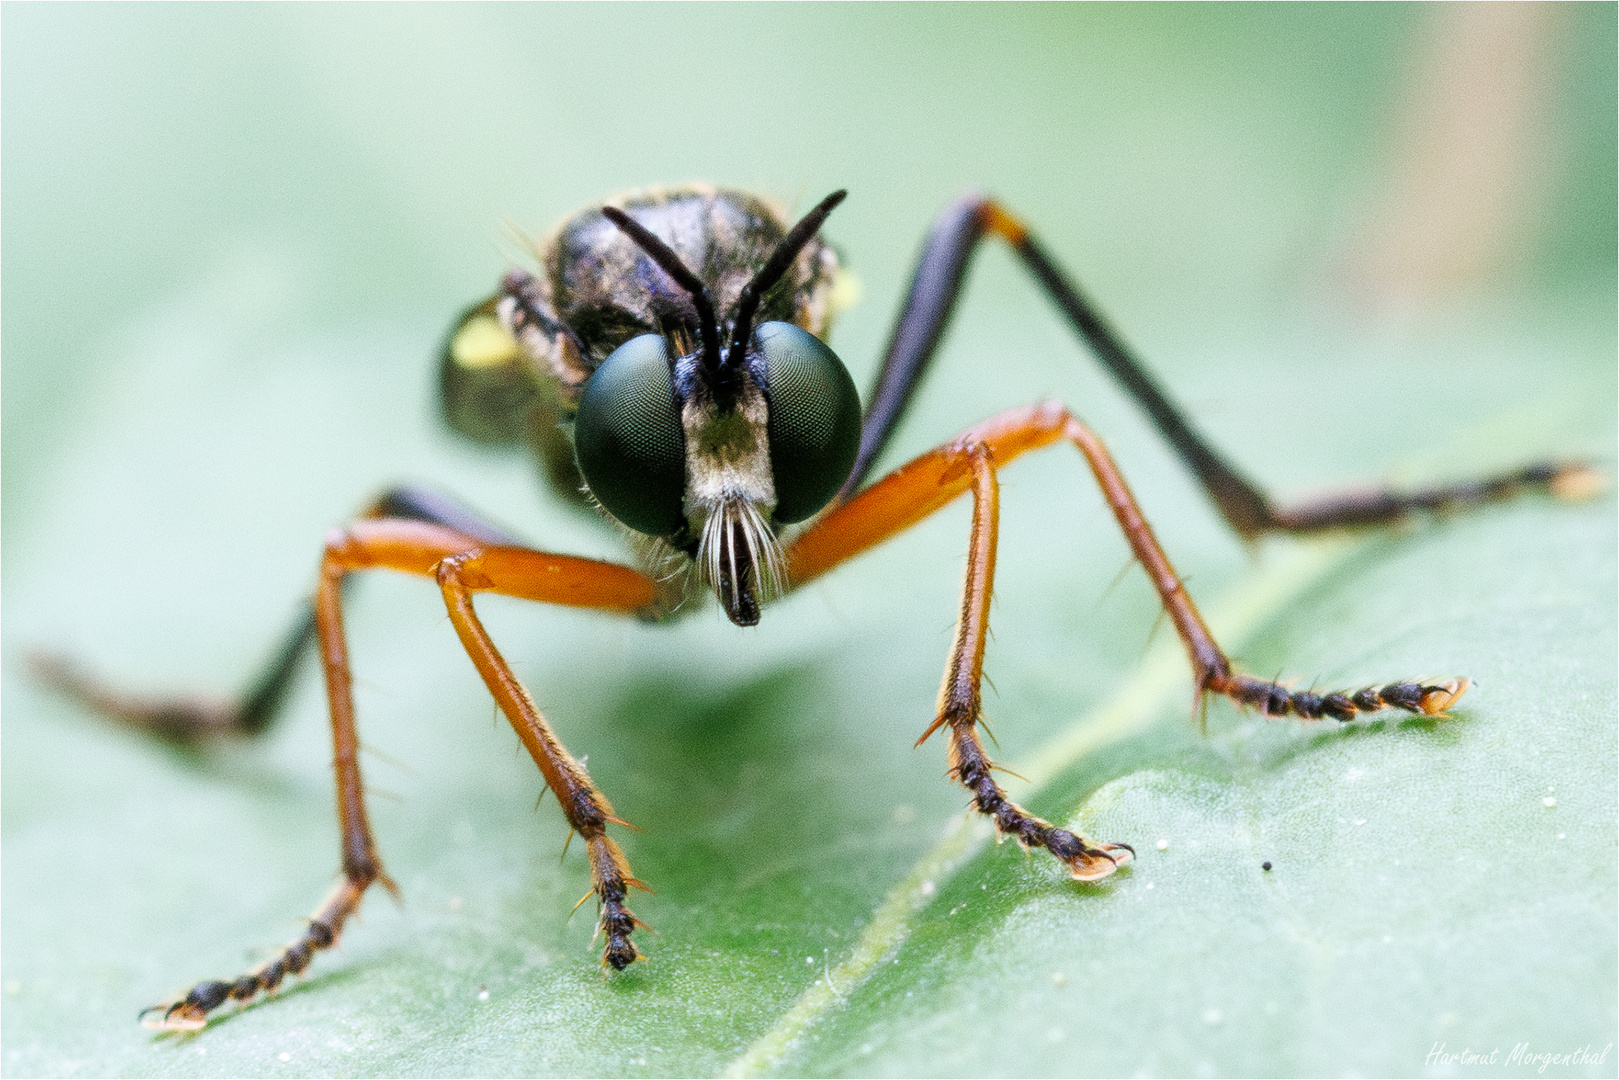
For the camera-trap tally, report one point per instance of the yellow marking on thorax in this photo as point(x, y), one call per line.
point(482, 342)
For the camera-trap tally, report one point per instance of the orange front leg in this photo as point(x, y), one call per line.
point(518, 572)
point(935, 479)
point(462, 565)
point(893, 504)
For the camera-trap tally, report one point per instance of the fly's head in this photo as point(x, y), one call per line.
point(713, 436)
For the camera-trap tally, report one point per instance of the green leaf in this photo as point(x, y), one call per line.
point(234, 238)
point(1361, 895)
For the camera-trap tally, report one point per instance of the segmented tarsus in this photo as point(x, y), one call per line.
point(615, 920)
point(1273, 699)
point(969, 764)
point(1572, 480)
point(618, 923)
point(190, 1013)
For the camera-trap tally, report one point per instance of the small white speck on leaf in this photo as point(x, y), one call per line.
point(1163, 845)
point(928, 888)
point(1213, 1016)
point(284, 1056)
point(1058, 979)
point(1548, 802)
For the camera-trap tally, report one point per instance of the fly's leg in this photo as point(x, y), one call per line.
point(194, 719)
point(937, 283)
point(960, 704)
point(190, 1013)
point(361, 866)
point(462, 565)
point(893, 504)
point(1211, 667)
point(586, 808)
point(968, 464)
point(462, 569)
point(1565, 480)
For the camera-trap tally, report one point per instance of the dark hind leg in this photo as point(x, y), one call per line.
point(937, 283)
point(194, 719)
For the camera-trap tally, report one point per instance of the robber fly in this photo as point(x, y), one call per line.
point(668, 362)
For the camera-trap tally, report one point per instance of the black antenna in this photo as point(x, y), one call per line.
point(671, 264)
point(748, 303)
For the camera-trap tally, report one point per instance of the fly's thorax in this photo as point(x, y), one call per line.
point(551, 350)
point(545, 333)
point(607, 291)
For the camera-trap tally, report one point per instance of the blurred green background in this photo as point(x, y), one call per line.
point(1358, 243)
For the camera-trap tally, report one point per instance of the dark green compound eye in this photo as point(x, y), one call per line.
point(628, 437)
point(814, 427)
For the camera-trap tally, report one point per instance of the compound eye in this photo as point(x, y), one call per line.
point(814, 428)
point(629, 441)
